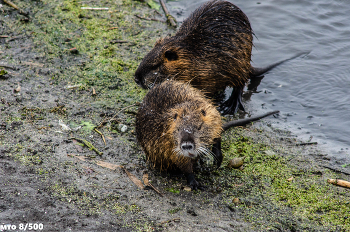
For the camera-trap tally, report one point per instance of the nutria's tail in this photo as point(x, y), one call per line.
point(245, 121)
point(256, 72)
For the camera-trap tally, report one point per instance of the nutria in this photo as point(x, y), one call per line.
point(176, 124)
point(211, 50)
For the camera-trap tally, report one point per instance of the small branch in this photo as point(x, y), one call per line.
point(114, 41)
point(94, 8)
point(336, 170)
point(150, 19)
point(102, 136)
point(8, 66)
point(341, 183)
point(174, 220)
point(305, 144)
point(8, 2)
point(148, 184)
point(112, 28)
point(169, 17)
point(89, 145)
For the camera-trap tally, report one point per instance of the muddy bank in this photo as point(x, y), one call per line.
point(68, 70)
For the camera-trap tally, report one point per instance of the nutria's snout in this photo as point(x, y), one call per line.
point(187, 144)
point(140, 81)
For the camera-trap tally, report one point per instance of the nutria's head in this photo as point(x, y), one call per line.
point(212, 50)
point(193, 127)
point(166, 60)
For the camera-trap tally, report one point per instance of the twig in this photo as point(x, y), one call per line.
point(148, 184)
point(174, 219)
point(14, 37)
point(336, 170)
point(88, 144)
point(94, 8)
point(8, 2)
point(150, 19)
point(341, 183)
point(4, 36)
point(304, 144)
point(8, 66)
point(101, 135)
point(169, 17)
point(112, 28)
point(114, 41)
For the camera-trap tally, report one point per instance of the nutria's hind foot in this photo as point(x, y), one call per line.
point(191, 181)
point(233, 103)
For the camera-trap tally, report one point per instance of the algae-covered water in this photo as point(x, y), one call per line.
point(312, 91)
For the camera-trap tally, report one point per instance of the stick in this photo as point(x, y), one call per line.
point(8, 66)
point(174, 219)
point(102, 136)
point(114, 41)
point(150, 19)
point(89, 145)
point(169, 17)
point(341, 183)
point(336, 170)
point(304, 144)
point(94, 8)
point(8, 2)
point(147, 183)
point(112, 28)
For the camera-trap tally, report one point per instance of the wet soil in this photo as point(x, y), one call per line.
point(68, 70)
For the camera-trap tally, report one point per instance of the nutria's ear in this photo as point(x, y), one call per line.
point(171, 55)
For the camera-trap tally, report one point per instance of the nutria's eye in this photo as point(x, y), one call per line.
point(175, 116)
point(171, 56)
point(203, 112)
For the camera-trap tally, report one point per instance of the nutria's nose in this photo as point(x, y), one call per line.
point(137, 80)
point(187, 140)
point(187, 146)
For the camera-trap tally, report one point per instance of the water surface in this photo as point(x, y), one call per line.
point(311, 91)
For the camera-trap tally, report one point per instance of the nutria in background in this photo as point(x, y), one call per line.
point(176, 124)
point(211, 50)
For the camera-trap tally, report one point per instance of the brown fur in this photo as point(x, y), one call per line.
point(211, 50)
point(168, 110)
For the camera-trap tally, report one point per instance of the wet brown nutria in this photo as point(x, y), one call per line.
point(211, 50)
point(176, 124)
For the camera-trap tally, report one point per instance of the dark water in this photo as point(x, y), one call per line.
point(312, 91)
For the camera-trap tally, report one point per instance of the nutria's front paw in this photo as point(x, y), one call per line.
point(193, 183)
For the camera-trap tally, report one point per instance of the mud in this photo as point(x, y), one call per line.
point(74, 73)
